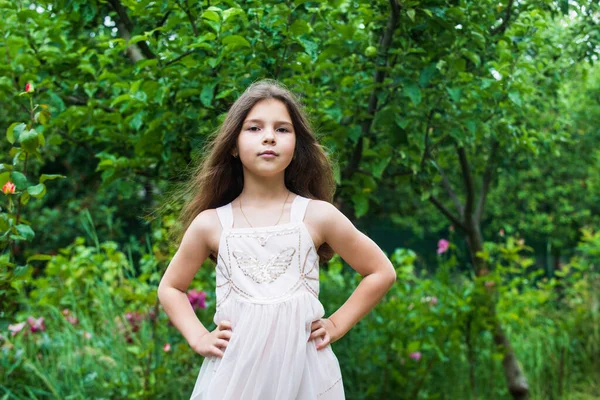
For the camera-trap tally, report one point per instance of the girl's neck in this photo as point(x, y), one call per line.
point(261, 193)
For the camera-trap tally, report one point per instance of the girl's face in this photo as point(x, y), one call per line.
point(267, 128)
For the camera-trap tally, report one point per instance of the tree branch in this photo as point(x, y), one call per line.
point(502, 27)
point(457, 222)
point(487, 178)
point(449, 190)
point(137, 51)
point(385, 43)
point(468, 181)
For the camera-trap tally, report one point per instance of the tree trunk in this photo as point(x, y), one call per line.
point(515, 379)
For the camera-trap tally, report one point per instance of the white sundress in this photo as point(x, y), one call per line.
point(268, 287)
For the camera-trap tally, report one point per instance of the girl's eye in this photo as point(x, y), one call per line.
point(255, 127)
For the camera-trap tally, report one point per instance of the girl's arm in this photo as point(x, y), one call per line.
point(364, 256)
point(192, 252)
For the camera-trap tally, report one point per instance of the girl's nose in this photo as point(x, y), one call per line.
point(269, 135)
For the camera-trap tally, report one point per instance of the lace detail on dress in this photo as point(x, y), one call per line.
point(264, 272)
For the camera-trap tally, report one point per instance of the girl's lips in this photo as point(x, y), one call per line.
point(267, 155)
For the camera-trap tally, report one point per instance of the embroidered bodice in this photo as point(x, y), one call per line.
point(266, 264)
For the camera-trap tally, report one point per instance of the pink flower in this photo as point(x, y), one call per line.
point(443, 245)
point(197, 299)
point(37, 325)
point(8, 188)
point(433, 301)
point(134, 319)
point(167, 347)
point(14, 329)
point(65, 312)
point(73, 320)
point(87, 335)
point(416, 355)
point(501, 232)
point(29, 87)
point(490, 284)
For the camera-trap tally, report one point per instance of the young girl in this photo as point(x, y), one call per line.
point(260, 207)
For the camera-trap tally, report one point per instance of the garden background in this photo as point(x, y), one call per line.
point(465, 137)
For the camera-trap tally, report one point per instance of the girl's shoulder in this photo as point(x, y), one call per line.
point(319, 214)
point(207, 222)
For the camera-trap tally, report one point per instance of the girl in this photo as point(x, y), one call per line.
point(260, 207)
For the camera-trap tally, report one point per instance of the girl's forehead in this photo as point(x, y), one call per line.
point(269, 109)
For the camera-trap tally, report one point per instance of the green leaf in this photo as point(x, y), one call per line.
point(515, 96)
point(299, 27)
point(25, 231)
point(25, 197)
point(137, 38)
point(361, 204)
point(14, 128)
point(455, 93)
point(18, 179)
point(207, 94)
point(426, 75)
point(39, 257)
point(413, 92)
point(47, 177)
point(411, 14)
point(37, 191)
point(473, 57)
point(235, 41)
point(211, 16)
point(29, 140)
point(120, 99)
point(380, 166)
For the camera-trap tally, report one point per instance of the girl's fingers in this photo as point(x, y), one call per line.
point(216, 351)
point(224, 325)
point(317, 333)
point(324, 343)
point(225, 334)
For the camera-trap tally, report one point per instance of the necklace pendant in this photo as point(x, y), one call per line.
point(262, 239)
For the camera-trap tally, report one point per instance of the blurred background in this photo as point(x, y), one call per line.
point(465, 137)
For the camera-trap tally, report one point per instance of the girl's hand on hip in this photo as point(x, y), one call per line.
point(325, 328)
point(210, 343)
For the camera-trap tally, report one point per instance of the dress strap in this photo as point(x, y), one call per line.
point(225, 214)
point(298, 208)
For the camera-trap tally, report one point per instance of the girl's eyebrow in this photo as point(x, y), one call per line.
point(260, 120)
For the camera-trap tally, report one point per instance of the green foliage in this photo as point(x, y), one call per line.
point(27, 141)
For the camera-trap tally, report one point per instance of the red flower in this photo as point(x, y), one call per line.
point(167, 347)
point(37, 325)
point(29, 87)
point(8, 188)
point(197, 299)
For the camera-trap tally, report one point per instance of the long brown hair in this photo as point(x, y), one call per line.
point(217, 177)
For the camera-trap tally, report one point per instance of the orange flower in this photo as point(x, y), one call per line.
point(8, 188)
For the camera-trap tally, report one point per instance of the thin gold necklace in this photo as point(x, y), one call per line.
point(242, 210)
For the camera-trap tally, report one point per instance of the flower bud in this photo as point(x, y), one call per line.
point(8, 188)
